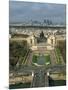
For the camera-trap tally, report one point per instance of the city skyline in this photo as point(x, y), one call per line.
point(20, 11)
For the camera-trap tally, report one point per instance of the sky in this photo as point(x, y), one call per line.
point(20, 11)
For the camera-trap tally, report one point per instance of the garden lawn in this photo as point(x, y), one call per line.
point(41, 60)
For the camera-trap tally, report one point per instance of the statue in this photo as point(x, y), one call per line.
point(41, 38)
point(42, 35)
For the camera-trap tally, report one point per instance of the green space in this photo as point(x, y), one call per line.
point(47, 57)
point(57, 82)
point(41, 60)
point(20, 85)
point(58, 56)
point(18, 52)
point(34, 60)
point(61, 44)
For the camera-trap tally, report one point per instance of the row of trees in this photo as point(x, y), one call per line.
point(62, 46)
point(17, 51)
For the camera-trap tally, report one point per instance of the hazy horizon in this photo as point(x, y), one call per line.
point(20, 11)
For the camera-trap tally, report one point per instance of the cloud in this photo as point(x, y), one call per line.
point(19, 10)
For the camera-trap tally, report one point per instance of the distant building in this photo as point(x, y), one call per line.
point(50, 39)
